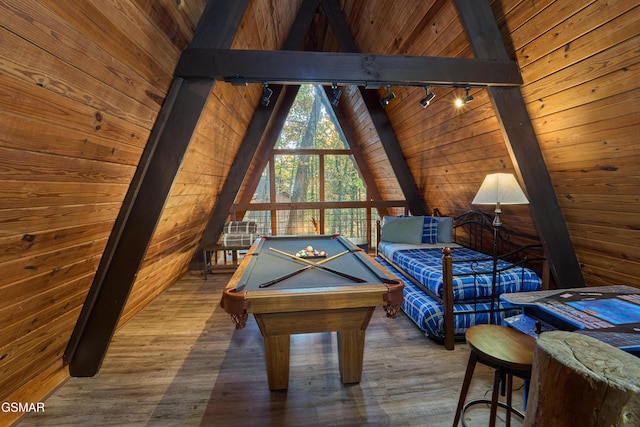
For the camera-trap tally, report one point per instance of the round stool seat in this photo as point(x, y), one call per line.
point(502, 347)
point(509, 352)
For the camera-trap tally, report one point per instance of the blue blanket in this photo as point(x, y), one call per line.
point(427, 313)
point(471, 280)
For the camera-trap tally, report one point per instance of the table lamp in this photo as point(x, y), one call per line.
point(497, 189)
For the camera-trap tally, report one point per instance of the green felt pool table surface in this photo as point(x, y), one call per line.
point(268, 263)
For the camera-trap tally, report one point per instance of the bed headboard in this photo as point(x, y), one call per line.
point(474, 229)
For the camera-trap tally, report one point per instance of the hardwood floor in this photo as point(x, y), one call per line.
point(180, 362)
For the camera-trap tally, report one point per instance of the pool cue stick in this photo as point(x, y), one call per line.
point(285, 277)
point(322, 267)
point(310, 265)
point(294, 273)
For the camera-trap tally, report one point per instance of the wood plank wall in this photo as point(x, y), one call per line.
point(81, 85)
point(579, 63)
point(82, 82)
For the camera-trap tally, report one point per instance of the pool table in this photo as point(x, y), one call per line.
point(288, 295)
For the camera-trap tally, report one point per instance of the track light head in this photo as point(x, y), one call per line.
point(427, 98)
point(335, 99)
point(266, 95)
point(467, 98)
point(387, 99)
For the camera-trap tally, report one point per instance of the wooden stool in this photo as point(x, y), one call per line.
point(506, 350)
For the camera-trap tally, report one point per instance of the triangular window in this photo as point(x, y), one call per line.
point(312, 163)
point(311, 123)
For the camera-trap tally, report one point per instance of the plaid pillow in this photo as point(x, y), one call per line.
point(238, 240)
point(430, 230)
point(241, 227)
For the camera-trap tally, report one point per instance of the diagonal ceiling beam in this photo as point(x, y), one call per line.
point(524, 149)
point(345, 125)
point(257, 128)
point(146, 197)
point(394, 153)
point(281, 101)
point(379, 117)
point(268, 142)
point(291, 67)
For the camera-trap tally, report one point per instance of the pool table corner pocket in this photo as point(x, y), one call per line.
point(236, 304)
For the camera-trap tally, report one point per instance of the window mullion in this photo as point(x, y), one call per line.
point(322, 198)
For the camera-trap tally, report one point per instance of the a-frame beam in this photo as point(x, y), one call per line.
point(268, 142)
point(145, 199)
point(358, 155)
point(524, 149)
point(392, 148)
point(294, 67)
point(379, 118)
point(251, 140)
point(281, 100)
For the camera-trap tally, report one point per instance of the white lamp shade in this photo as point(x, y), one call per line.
point(500, 188)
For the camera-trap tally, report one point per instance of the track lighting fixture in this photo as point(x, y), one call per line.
point(428, 97)
point(266, 95)
point(336, 95)
point(390, 96)
point(467, 98)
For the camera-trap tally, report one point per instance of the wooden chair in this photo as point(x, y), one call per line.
point(510, 353)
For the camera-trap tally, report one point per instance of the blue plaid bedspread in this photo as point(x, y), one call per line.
point(427, 313)
point(472, 280)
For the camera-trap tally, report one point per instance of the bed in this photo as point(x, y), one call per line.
point(448, 276)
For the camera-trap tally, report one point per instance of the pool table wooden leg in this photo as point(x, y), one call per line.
point(276, 352)
point(351, 355)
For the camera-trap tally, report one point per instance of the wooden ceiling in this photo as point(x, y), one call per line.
point(85, 87)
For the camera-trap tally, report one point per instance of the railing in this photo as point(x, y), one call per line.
point(354, 220)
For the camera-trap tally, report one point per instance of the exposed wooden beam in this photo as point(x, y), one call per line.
point(296, 67)
point(268, 142)
point(394, 153)
point(524, 149)
point(379, 117)
point(345, 125)
point(257, 127)
point(407, 43)
point(242, 162)
point(145, 199)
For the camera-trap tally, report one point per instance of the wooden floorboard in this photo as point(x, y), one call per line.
point(180, 362)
